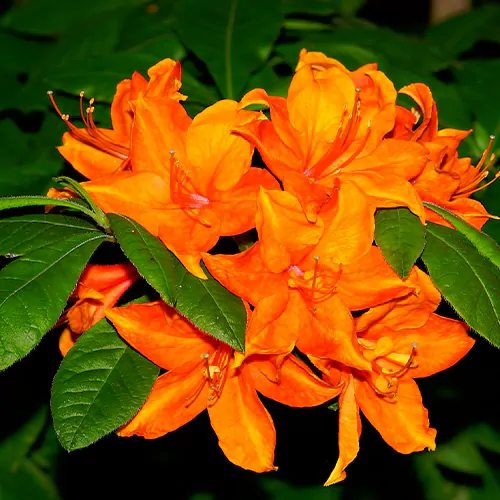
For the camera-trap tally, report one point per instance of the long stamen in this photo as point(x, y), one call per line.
point(95, 137)
point(481, 171)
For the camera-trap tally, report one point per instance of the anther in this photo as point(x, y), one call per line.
point(358, 89)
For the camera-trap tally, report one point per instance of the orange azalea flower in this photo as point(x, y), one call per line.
point(402, 341)
point(330, 130)
point(447, 180)
point(203, 375)
point(190, 181)
point(99, 288)
point(304, 279)
point(95, 151)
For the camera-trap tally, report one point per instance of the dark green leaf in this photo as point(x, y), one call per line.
point(99, 76)
point(484, 244)
point(211, 308)
point(25, 233)
point(459, 33)
point(370, 44)
point(467, 280)
point(206, 303)
point(16, 446)
point(401, 237)
point(34, 289)
point(42, 201)
point(230, 37)
point(476, 81)
point(148, 254)
point(101, 384)
point(20, 476)
point(48, 17)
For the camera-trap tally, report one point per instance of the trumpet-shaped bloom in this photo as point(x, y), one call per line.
point(99, 288)
point(402, 341)
point(203, 374)
point(191, 181)
point(95, 151)
point(331, 128)
point(446, 180)
point(304, 279)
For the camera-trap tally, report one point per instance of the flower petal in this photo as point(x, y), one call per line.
point(293, 384)
point(349, 431)
point(175, 400)
point(285, 234)
point(402, 422)
point(244, 427)
point(160, 334)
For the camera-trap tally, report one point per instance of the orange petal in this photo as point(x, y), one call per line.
point(160, 334)
point(67, 340)
point(369, 282)
point(441, 343)
point(402, 422)
point(218, 158)
point(89, 161)
point(410, 311)
point(274, 326)
point(160, 128)
point(285, 234)
point(422, 95)
point(294, 384)
point(352, 228)
point(121, 111)
point(349, 431)
point(175, 400)
point(246, 275)
point(332, 335)
point(236, 208)
point(244, 427)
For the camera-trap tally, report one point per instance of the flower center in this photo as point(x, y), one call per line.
point(315, 285)
point(183, 192)
point(477, 174)
point(387, 364)
point(91, 135)
point(346, 134)
point(215, 367)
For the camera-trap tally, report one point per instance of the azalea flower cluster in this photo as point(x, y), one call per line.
point(326, 314)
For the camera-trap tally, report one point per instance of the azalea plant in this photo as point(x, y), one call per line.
point(300, 246)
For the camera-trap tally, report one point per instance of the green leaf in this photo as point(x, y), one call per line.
point(20, 476)
point(211, 307)
point(43, 201)
point(34, 289)
point(401, 237)
point(22, 234)
point(101, 384)
point(48, 17)
point(17, 445)
point(475, 80)
point(466, 279)
point(148, 254)
point(461, 32)
point(484, 244)
point(206, 303)
point(98, 76)
point(230, 37)
point(371, 44)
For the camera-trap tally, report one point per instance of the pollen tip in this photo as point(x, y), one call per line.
point(316, 257)
point(49, 92)
point(414, 345)
point(358, 89)
point(492, 137)
point(206, 355)
point(172, 151)
point(82, 93)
